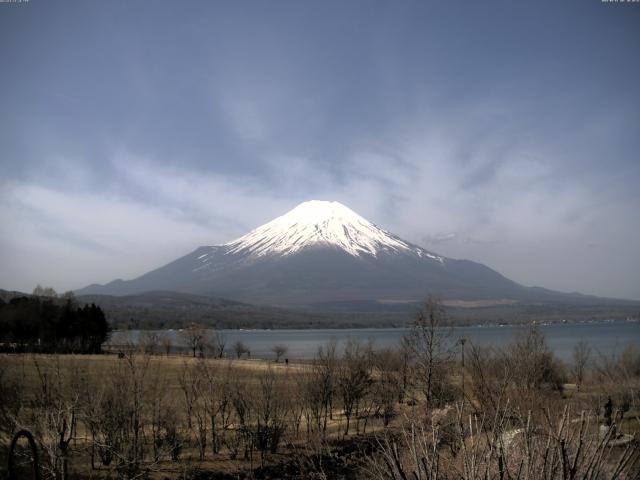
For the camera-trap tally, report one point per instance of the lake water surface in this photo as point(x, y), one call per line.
point(604, 337)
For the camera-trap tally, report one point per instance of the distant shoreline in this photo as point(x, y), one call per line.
point(606, 336)
point(392, 327)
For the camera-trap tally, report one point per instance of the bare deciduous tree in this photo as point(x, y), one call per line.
point(188, 381)
point(47, 292)
point(581, 357)
point(326, 366)
point(149, 342)
point(388, 366)
point(561, 447)
point(490, 379)
point(535, 370)
point(218, 343)
point(354, 379)
point(312, 389)
point(11, 390)
point(279, 350)
point(55, 413)
point(428, 340)
point(166, 343)
point(195, 337)
point(122, 409)
point(271, 408)
point(240, 348)
point(216, 387)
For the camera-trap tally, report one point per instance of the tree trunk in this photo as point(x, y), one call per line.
point(214, 435)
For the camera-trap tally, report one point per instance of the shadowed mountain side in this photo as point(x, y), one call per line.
point(322, 255)
point(157, 310)
point(325, 277)
point(162, 310)
point(318, 275)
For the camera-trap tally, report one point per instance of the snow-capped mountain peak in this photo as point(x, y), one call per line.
point(321, 223)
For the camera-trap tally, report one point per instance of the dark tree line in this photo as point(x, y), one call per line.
point(49, 324)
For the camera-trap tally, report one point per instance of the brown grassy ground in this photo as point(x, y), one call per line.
point(169, 368)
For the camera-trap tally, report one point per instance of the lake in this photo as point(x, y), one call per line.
point(605, 337)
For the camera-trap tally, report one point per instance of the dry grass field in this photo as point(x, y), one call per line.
point(390, 414)
point(164, 376)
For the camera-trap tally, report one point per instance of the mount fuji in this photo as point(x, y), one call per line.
point(324, 255)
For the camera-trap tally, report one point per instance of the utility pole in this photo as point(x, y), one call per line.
point(462, 342)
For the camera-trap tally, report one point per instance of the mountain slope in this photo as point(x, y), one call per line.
point(322, 254)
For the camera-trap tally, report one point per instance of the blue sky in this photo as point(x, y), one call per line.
point(503, 132)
